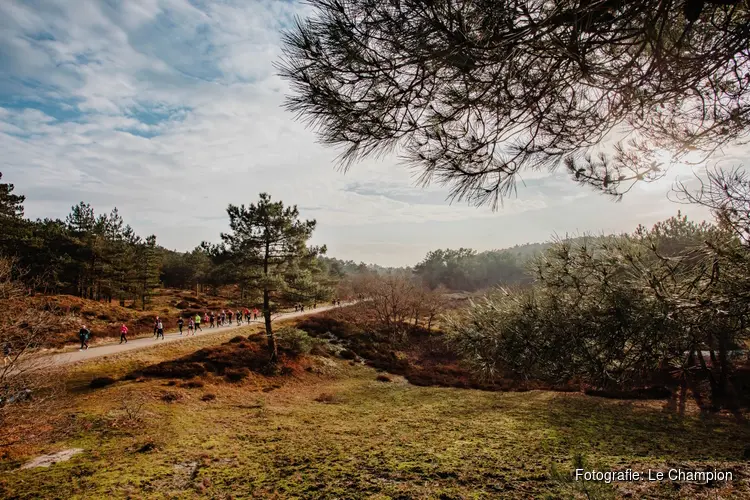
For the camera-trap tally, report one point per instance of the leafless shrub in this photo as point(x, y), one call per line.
point(27, 381)
point(132, 405)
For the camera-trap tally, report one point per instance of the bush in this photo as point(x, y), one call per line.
point(100, 382)
point(383, 378)
point(236, 374)
point(294, 340)
point(347, 354)
point(175, 369)
point(237, 339)
point(171, 397)
point(326, 397)
point(182, 304)
point(193, 384)
point(208, 397)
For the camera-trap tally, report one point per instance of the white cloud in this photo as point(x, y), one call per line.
point(83, 82)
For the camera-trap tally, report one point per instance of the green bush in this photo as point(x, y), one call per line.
point(294, 340)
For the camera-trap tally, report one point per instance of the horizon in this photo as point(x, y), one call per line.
point(171, 114)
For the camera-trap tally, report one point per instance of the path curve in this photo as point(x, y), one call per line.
point(143, 342)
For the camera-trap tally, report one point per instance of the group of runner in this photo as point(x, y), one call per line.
point(214, 320)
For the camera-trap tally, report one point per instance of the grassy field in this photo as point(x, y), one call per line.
point(335, 431)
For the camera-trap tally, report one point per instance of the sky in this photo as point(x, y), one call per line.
point(171, 109)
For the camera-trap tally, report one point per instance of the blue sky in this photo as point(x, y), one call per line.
point(170, 110)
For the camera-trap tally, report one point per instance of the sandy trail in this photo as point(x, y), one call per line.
point(140, 343)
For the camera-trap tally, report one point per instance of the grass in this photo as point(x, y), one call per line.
point(337, 432)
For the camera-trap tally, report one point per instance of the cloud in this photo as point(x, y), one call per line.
point(170, 110)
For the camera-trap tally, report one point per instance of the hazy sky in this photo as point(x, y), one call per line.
point(170, 110)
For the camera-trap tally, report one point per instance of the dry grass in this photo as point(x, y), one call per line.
point(269, 437)
point(335, 431)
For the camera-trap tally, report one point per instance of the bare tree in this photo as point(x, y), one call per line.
point(391, 298)
point(472, 92)
point(27, 381)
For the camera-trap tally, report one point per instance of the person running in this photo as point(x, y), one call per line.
point(212, 318)
point(247, 315)
point(180, 323)
point(156, 327)
point(205, 318)
point(197, 323)
point(296, 307)
point(191, 326)
point(255, 313)
point(229, 317)
point(84, 334)
point(6, 353)
point(123, 333)
point(222, 318)
point(239, 317)
point(159, 330)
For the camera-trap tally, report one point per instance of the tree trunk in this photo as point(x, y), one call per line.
point(267, 308)
point(269, 331)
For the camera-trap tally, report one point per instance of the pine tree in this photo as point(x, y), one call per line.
point(11, 205)
point(147, 269)
point(14, 229)
point(268, 245)
point(81, 223)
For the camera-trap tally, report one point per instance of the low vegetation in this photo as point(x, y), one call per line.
point(338, 432)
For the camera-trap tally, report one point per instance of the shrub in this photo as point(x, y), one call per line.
point(326, 397)
point(237, 339)
point(208, 397)
point(175, 369)
point(236, 374)
point(171, 397)
point(383, 378)
point(193, 384)
point(100, 382)
point(294, 340)
point(347, 354)
point(149, 445)
point(183, 304)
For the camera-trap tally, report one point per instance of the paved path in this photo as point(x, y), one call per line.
point(140, 343)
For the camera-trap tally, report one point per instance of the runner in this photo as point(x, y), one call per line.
point(295, 307)
point(84, 334)
point(191, 326)
point(197, 323)
point(239, 317)
point(211, 318)
point(247, 315)
point(229, 317)
point(222, 318)
point(123, 332)
point(205, 318)
point(180, 322)
point(255, 313)
point(156, 327)
point(159, 330)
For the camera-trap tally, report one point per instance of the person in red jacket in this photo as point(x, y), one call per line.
point(123, 333)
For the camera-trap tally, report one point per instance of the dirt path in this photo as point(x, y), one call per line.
point(133, 344)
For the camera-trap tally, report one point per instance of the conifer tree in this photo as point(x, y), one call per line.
point(268, 244)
